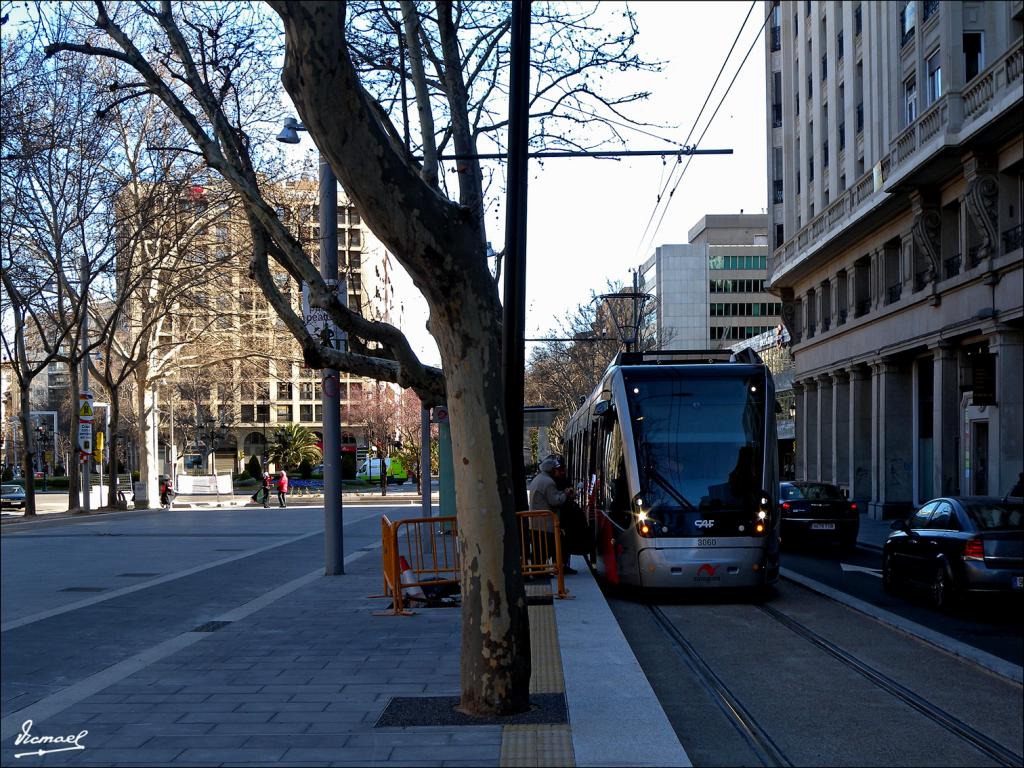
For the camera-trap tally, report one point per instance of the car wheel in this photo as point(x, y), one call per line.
point(888, 575)
point(940, 591)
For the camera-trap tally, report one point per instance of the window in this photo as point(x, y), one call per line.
point(974, 55)
point(923, 515)
point(306, 412)
point(943, 518)
point(780, 233)
point(808, 11)
point(839, 46)
point(857, 21)
point(910, 100)
point(262, 413)
point(824, 67)
point(355, 238)
point(824, 155)
point(934, 78)
point(284, 414)
point(908, 20)
point(284, 390)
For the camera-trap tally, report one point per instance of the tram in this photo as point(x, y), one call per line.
point(674, 454)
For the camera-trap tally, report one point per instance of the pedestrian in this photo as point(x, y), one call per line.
point(545, 495)
point(267, 483)
point(282, 488)
point(166, 492)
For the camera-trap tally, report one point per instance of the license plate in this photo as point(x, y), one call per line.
point(823, 526)
point(1018, 582)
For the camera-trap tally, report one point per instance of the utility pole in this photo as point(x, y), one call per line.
point(84, 299)
point(514, 295)
point(334, 537)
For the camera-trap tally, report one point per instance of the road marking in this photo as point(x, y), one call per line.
point(861, 569)
point(58, 702)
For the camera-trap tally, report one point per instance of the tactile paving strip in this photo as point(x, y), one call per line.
point(536, 745)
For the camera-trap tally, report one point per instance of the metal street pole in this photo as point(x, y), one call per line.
point(84, 298)
point(334, 539)
point(514, 298)
point(425, 461)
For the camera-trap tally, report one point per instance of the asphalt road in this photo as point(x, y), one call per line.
point(994, 624)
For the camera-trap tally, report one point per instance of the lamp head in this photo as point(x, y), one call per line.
point(289, 134)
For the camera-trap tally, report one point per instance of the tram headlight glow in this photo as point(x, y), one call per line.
point(760, 528)
point(761, 514)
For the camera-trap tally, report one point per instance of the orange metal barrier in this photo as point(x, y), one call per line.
point(429, 549)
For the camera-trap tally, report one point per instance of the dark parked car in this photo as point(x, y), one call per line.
point(817, 510)
point(12, 496)
point(958, 545)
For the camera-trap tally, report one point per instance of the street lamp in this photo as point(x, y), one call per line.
point(329, 396)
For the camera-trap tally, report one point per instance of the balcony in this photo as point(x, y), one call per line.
point(893, 293)
point(950, 121)
point(842, 316)
point(1012, 239)
point(862, 308)
point(826, 323)
point(776, 115)
point(777, 192)
point(811, 329)
point(776, 38)
point(951, 267)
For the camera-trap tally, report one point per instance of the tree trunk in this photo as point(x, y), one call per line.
point(29, 454)
point(74, 464)
point(495, 662)
point(114, 421)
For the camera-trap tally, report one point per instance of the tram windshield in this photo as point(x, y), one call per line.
point(699, 441)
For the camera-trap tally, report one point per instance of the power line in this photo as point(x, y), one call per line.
point(706, 127)
point(711, 90)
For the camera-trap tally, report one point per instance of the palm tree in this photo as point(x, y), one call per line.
point(292, 443)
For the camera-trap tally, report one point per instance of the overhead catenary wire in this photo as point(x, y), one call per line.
point(720, 102)
point(711, 90)
point(668, 200)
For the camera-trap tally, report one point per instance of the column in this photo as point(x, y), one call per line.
point(799, 421)
point(826, 457)
point(810, 410)
point(860, 442)
point(945, 421)
point(892, 488)
point(841, 428)
point(1005, 442)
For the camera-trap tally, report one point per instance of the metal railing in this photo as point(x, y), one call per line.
point(862, 307)
point(920, 280)
point(422, 554)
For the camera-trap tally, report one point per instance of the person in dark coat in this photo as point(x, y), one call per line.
point(545, 494)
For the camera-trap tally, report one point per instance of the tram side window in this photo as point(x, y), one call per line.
point(617, 488)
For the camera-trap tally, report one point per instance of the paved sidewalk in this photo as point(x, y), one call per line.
point(300, 676)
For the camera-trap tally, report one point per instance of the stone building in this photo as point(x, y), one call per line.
point(895, 162)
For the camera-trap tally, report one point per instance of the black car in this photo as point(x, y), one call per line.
point(817, 510)
point(955, 546)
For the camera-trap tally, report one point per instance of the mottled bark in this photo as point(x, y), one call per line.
point(442, 246)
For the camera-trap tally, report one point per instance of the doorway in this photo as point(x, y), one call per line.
point(979, 458)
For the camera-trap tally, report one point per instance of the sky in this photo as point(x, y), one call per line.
point(586, 216)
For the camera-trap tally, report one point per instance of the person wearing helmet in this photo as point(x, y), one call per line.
point(545, 494)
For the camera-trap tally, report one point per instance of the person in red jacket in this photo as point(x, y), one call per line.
point(282, 488)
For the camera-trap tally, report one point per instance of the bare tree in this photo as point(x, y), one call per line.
point(204, 62)
point(54, 225)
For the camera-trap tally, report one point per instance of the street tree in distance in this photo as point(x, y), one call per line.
point(291, 444)
point(207, 62)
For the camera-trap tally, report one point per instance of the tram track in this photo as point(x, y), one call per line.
point(761, 742)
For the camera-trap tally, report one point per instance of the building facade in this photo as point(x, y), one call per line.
point(895, 190)
point(711, 291)
point(216, 416)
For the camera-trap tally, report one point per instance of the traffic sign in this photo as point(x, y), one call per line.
point(85, 409)
point(85, 437)
point(440, 414)
point(318, 320)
